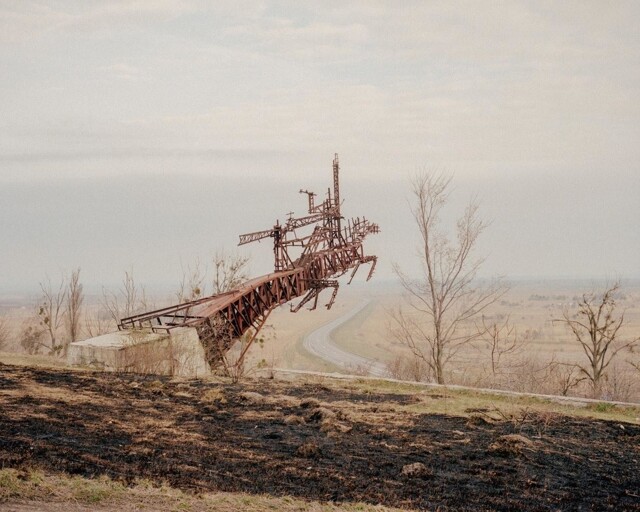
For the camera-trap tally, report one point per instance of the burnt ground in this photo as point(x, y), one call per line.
point(312, 442)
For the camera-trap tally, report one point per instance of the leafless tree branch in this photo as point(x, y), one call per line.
point(229, 271)
point(74, 300)
point(130, 299)
point(596, 328)
point(51, 312)
point(5, 331)
point(446, 299)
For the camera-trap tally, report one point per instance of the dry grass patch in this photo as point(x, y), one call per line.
point(511, 444)
point(284, 401)
point(36, 491)
point(253, 398)
point(21, 359)
point(214, 395)
point(459, 402)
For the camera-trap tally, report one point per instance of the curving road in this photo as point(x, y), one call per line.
point(319, 344)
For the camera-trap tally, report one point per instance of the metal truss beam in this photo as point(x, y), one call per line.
point(328, 252)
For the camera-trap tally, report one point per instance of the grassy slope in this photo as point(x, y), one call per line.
point(36, 490)
point(39, 491)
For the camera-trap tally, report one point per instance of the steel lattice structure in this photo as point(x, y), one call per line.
point(305, 265)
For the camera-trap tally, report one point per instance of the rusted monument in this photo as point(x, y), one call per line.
point(304, 266)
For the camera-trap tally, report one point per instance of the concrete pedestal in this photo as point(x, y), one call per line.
point(142, 351)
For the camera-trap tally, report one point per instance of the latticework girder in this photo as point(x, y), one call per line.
point(328, 252)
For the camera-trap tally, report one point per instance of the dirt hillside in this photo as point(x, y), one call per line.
point(313, 441)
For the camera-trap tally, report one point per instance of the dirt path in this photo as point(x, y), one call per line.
point(319, 344)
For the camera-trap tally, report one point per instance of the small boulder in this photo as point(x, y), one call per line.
point(213, 395)
point(308, 403)
point(415, 470)
point(510, 444)
point(284, 400)
point(308, 450)
point(253, 397)
point(335, 427)
point(476, 420)
point(320, 414)
point(294, 419)
point(154, 385)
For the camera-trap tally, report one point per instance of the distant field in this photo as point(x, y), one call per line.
point(531, 306)
point(285, 331)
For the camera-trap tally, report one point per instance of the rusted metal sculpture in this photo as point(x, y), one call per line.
point(304, 266)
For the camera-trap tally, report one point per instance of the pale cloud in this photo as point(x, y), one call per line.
point(122, 71)
point(113, 16)
point(23, 21)
point(26, 20)
point(507, 95)
point(285, 37)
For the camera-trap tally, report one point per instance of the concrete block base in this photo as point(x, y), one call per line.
point(142, 351)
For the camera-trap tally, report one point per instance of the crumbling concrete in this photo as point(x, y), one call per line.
point(142, 351)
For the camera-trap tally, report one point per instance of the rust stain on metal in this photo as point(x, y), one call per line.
point(304, 266)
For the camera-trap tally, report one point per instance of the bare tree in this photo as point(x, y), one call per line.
point(404, 368)
point(74, 300)
point(503, 342)
point(445, 300)
point(229, 271)
point(192, 283)
point(596, 327)
point(52, 312)
point(564, 376)
point(620, 382)
point(31, 336)
point(5, 331)
point(129, 300)
point(96, 323)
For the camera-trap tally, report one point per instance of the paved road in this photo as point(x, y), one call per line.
point(319, 344)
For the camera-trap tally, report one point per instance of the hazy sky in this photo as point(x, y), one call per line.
point(147, 134)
